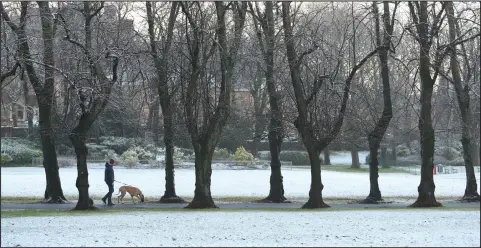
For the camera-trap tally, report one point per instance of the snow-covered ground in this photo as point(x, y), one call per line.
point(431, 228)
point(30, 182)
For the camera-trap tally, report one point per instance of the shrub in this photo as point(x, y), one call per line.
point(450, 153)
point(243, 157)
point(130, 158)
point(178, 155)
point(5, 159)
point(402, 151)
point(143, 154)
point(118, 144)
point(296, 157)
point(97, 151)
point(20, 151)
point(221, 153)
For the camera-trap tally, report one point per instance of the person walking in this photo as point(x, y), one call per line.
point(109, 180)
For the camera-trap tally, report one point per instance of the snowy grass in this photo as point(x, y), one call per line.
point(30, 182)
point(253, 228)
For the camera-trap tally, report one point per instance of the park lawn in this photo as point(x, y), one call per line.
point(123, 211)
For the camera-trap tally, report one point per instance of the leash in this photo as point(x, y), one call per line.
point(121, 182)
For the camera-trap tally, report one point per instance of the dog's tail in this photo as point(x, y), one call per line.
point(118, 193)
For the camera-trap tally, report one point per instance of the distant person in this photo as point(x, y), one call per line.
point(109, 180)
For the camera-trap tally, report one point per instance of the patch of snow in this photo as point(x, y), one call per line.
point(30, 182)
point(246, 228)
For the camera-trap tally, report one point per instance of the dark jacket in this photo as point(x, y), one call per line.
point(109, 173)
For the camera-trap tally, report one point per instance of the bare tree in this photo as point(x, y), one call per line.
point(425, 33)
point(93, 95)
point(206, 122)
point(462, 95)
point(43, 91)
point(308, 117)
point(265, 29)
point(165, 97)
point(376, 135)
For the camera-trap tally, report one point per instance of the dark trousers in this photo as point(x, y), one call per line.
point(111, 190)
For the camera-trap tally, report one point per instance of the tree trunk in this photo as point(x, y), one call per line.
point(476, 154)
point(374, 192)
point(315, 193)
point(355, 158)
point(169, 195)
point(82, 182)
point(53, 191)
point(276, 131)
point(426, 197)
point(377, 134)
point(203, 172)
point(327, 156)
point(462, 95)
point(276, 193)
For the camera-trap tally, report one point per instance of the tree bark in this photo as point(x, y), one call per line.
point(315, 192)
point(276, 131)
point(426, 197)
point(165, 100)
point(53, 192)
point(82, 182)
point(355, 158)
point(169, 195)
point(462, 95)
point(203, 171)
point(327, 156)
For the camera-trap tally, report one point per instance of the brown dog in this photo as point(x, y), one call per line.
point(133, 191)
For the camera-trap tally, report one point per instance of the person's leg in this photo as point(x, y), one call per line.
point(106, 195)
point(109, 195)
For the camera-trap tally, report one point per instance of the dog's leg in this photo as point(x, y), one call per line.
point(122, 197)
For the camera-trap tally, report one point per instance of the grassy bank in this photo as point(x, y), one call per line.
point(58, 213)
point(229, 199)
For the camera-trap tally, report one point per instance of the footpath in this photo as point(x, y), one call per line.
point(259, 206)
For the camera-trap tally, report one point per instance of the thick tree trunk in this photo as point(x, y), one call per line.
point(374, 192)
point(426, 187)
point(203, 172)
point(53, 191)
point(169, 195)
point(276, 193)
point(276, 131)
point(355, 158)
point(426, 197)
point(327, 156)
point(462, 95)
point(315, 193)
point(377, 134)
point(82, 182)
